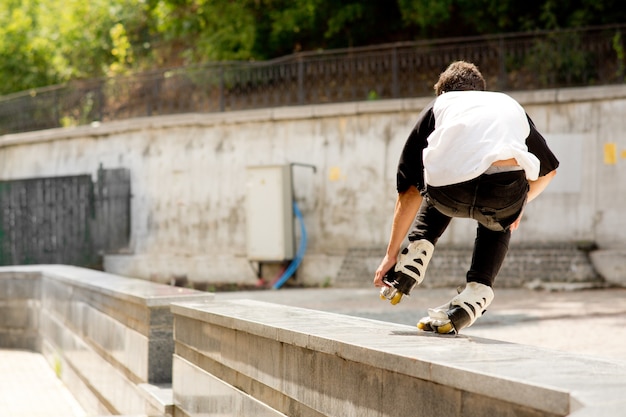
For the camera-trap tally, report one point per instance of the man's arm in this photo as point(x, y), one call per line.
point(540, 184)
point(407, 205)
point(535, 188)
point(409, 177)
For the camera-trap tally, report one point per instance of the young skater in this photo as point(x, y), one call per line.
point(472, 154)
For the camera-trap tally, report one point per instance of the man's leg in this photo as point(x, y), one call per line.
point(429, 225)
point(410, 268)
point(490, 249)
point(506, 194)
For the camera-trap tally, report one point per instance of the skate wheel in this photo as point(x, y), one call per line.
point(396, 298)
point(445, 328)
point(382, 297)
point(425, 326)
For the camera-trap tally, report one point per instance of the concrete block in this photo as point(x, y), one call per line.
point(196, 393)
point(405, 396)
point(27, 339)
point(104, 334)
point(350, 366)
point(382, 106)
point(205, 339)
point(334, 109)
point(113, 339)
point(14, 286)
point(19, 315)
point(110, 384)
point(160, 399)
point(293, 112)
point(577, 94)
point(476, 406)
point(611, 265)
point(416, 104)
point(535, 96)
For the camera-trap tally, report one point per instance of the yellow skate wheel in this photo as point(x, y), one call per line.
point(382, 297)
point(396, 298)
point(445, 329)
point(424, 326)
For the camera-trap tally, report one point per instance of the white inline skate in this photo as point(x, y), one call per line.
point(408, 272)
point(461, 312)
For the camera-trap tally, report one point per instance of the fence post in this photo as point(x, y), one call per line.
point(221, 88)
point(56, 112)
point(300, 80)
point(395, 88)
point(100, 99)
point(502, 75)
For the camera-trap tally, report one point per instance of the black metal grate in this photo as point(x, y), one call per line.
point(64, 220)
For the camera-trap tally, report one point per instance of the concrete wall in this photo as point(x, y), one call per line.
point(248, 358)
point(188, 178)
point(20, 303)
point(251, 358)
point(109, 338)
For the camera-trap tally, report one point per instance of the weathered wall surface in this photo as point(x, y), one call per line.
point(188, 178)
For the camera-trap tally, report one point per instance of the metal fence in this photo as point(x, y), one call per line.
point(520, 61)
point(67, 220)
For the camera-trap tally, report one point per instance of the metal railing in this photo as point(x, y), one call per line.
point(519, 61)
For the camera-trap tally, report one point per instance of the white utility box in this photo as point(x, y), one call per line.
point(269, 214)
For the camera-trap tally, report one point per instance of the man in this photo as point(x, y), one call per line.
point(472, 154)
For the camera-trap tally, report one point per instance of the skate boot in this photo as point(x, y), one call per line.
point(408, 272)
point(461, 312)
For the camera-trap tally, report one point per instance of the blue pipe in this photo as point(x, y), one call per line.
point(299, 255)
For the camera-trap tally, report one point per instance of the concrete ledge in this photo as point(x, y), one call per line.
point(311, 363)
point(109, 338)
point(199, 391)
point(563, 95)
point(20, 295)
point(611, 265)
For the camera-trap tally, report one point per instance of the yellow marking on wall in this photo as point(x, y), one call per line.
point(610, 153)
point(334, 174)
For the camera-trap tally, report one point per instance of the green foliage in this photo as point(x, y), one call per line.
point(559, 59)
point(426, 13)
point(289, 28)
point(23, 57)
point(44, 42)
point(195, 31)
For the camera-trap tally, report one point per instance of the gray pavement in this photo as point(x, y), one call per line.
point(587, 322)
point(30, 388)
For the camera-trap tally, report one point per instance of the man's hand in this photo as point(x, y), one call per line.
point(386, 264)
point(407, 205)
point(515, 225)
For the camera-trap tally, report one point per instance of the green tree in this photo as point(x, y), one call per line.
point(44, 42)
point(92, 38)
point(24, 57)
point(195, 31)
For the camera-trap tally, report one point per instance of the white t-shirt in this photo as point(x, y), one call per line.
point(474, 129)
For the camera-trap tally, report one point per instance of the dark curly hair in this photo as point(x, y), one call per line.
point(460, 76)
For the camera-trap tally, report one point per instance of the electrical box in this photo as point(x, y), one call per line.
point(269, 214)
